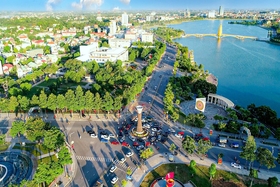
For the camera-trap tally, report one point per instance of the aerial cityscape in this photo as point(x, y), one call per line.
point(127, 93)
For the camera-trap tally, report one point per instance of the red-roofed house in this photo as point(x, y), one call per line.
point(7, 68)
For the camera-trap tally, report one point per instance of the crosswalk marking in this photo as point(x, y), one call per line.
point(97, 159)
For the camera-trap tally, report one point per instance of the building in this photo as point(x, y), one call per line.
point(211, 14)
point(86, 49)
point(147, 37)
point(34, 52)
point(221, 11)
point(113, 27)
point(104, 54)
point(119, 42)
point(130, 36)
point(149, 18)
point(124, 19)
point(99, 18)
point(188, 13)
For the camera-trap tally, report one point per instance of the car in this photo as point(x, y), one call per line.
point(122, 139)
point(122, 159)
point(129, 154)
point(221, 145)
point(149, 118)
point(234, 145)
point(140, 147)
point(141, 140)
point(153, 133)
point(105, 137)
point(113, 168)
point(153, 139)
point(163, 140)
point(92, 134)
point(103, 133)
point(154, 129)
point(171, 130)
point(104, 140)
point(175, 153)
point(125, 144)
point(171, 158)
point(128, 127)
point(159, 137)
point(111, 135)
point(159, 132)
point(135, 144)
point(155, 87)
point(235, 165)
point(114, 179)
point(115, 142)
point(179, 135)
point(132, 138)
point(146, 125)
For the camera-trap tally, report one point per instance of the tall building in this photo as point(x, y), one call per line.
point(124, 19)
point(113, 27)
point(211, 14)
point(99, 18)
point(188, 13)
point(221, 11)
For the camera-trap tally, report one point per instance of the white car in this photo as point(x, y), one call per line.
point(105, 137)
point(178, 135)
point(114, 180)
point(147, 126)
point(113, 168)
point(129, 154)
point(140, 147)
point(171, 130)
point(132, 138)
point(122, 160)
point(235, 165)
point(111, 135)
point(221, 145)
point(154, 129)
point(93, 135)
point(122, 139)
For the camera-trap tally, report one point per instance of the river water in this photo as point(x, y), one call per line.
point(248, 71)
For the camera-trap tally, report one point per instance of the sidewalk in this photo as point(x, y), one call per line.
point(156, 161)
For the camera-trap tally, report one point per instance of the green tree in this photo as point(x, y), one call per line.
point(47, 50)
point(97, 102)
point(265, 157)
point(124, 182)
point(193, 167)
point(89, 98)
point(272, 181)
point(64, 156)
point(34, 100)
point(253, 174)
point(248, 151)
point(128, 171)
point(203, 146)
point(107, 102)
point(212, 170)
point(189, 144)
point(172, 147)
point(24, 103)
point(70, 100)
point(277, 133)
point(18, 128)
point(61, 103)
point(35, 129)
point(80, 99)
point(146, 153)
point(53, 138)
point(7, 49)
point(43, 101)
point(13, 104)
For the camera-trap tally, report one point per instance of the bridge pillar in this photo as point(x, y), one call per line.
point(220, 31)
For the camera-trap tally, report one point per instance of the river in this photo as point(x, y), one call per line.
point(248, 71)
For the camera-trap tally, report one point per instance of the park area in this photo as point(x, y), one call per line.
point(201, 178)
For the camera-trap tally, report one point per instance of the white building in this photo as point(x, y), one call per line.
point(221, 11)
point(124, 19)
point(86, 49)
point(118, 42)
point(211, 14)
point(147, 37)
point(113, 27)
point(105, 54)
point(130, 36)
point(149, 18)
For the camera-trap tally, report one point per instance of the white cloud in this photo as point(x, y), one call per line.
point(86, 3)
point(125, 1)
point(116, 8)
point(50, 4)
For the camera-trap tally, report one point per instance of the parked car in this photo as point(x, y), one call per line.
point(235, 165)
point(111, 135)
point(140, 147)
point(115, 142)
point(154, 129)
point(146, 125)
point(92, 134)
point(129, 154)
point(105, 137)
point(113, 168)
point(132, 138)
point(114, 179)
point(153, 133)
point(221, 145)
point(171, 130)
point(122, 158)
point(125, 144)
point(104, 140)
point(179, 135)
point(171, 158)
point(135, 144)
point(234, 145)
point(122, 139)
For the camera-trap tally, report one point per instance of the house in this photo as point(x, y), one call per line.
point(147, 37)
point(38, 42)
point(23, 38)
point(7, 68)
point(34, 52)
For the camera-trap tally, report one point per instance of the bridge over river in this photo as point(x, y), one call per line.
point(221, 35)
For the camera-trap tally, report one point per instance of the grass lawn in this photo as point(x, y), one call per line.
point(33, 148)
point(182, 173)
point(4, 147)
point(47, 159)
point(182, 117)
point(47, 83)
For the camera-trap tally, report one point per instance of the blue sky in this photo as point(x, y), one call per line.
point(58, 5)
